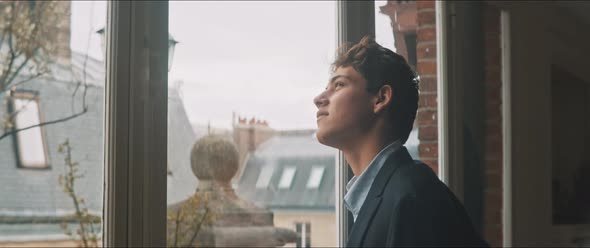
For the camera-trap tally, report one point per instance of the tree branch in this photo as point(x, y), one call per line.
point(177, 221)
point(4, 135)
point(23, 81)
point(4, 32)
point(8, 82)
point(6, 72)
point(14, 113)
point(198, 227)
point(9, 73)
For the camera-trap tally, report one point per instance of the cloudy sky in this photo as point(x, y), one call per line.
point(259, 59)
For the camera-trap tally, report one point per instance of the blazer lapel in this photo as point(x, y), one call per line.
point(369, 208)
point(363, 220)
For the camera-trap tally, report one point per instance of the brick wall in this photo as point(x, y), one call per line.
point(493, 127)
point(403, 22)
point(426, 118)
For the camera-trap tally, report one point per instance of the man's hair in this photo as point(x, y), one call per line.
point(381, 66)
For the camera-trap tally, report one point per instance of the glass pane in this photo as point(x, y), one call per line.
point(51, 123)
point(570, 165)
point(316, 177)
point(31, 150)
point(264, 177)
point(287, 178)
point(241, 123)
point(395, 29)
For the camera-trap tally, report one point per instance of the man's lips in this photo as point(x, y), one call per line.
point(321, 114)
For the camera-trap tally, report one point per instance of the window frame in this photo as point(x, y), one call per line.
point(135, 129)
point(135, 114)
point(355, 20)
point(32, 96)
point(303, 229)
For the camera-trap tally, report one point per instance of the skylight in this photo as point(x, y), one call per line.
point(287, 178)
point(264, 177)
point(316, 177)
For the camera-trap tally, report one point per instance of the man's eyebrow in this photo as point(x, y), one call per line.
point(339, 76)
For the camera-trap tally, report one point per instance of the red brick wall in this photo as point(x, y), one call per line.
point(427, 116)
point(403, 21)
point(493, 125)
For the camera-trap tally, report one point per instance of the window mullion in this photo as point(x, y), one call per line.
point(136, 124)
point(355, 20)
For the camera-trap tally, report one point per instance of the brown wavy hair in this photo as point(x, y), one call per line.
point(381, 66)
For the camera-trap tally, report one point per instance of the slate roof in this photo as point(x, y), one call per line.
point(303, 151)
point(32, 200)
point(291, 149)
point(182, 183)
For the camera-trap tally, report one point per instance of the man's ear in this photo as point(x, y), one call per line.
point(383, 98)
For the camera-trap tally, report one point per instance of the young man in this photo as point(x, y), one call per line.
point(367, 111)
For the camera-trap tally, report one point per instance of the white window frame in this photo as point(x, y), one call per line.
point(304, 232)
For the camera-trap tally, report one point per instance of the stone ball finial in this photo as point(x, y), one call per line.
point(214, 158)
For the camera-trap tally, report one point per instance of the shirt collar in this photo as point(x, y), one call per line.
point(358, 188)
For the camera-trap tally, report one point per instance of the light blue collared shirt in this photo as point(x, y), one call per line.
point(358, 188)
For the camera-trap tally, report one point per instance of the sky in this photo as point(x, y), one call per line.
point(258, 59)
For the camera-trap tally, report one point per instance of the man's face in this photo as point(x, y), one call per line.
point(345, 108)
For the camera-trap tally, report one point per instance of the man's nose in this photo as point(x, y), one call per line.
point(320, 100)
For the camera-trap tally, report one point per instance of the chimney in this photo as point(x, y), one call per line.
point(248, 135)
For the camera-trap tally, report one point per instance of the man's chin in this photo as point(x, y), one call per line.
point(323, 138)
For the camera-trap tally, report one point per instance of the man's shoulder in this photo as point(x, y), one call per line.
point(414, 179)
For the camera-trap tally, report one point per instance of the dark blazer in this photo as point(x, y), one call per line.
point(409, 206)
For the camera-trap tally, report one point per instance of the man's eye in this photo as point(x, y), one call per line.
point(338, 84)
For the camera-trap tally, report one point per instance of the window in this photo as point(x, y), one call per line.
point(304, 231)
point(264, 177)
point(315, 179)
point(410, 39)
point(30, 144)
point(52, 105)
point(287, 178)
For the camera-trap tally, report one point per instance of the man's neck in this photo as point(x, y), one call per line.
point(360, 154)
